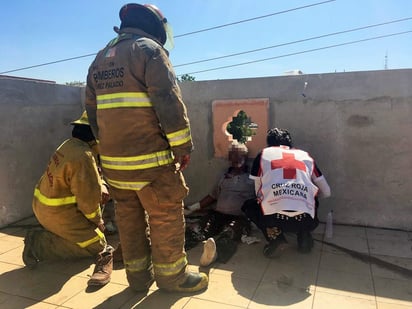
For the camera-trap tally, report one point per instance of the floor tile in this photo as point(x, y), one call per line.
point(155, 300)
point(347, 284)
point(229, 290)
point(248, 262)
point(392, 306)
point(343, 263)
point(328, 277)
point(328, 301)
point(389, 242)
point(100, 297)
point(281, 296)
point(394, 267)
point(349, 231)
point(40, 285)
point(393, 291)
point(17, 302)
point(195, 303)
point(357, 244)
point(291, 275)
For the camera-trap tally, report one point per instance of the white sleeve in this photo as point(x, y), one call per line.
point(322, 184)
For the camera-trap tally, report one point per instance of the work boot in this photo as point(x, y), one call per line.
point(275, 247)
point(194, 282)
point(209, 254)
point(29, 256)
point(103, 269)
point(305, 241)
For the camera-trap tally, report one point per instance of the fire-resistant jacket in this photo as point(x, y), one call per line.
point(136, 110)
point(70, 184)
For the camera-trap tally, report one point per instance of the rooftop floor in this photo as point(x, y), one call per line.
point(361, 268)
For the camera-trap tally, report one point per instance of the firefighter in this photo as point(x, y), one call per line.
point(66, 203)
point(136, 111)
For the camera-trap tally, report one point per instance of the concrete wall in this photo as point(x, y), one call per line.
point(356, 125)
point(34, 120)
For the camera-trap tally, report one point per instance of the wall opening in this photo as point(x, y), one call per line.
point(225, 111)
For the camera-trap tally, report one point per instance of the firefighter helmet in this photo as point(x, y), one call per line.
point(84, 120)
point(148, 18)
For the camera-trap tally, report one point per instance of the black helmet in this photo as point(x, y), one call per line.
point(146, 17)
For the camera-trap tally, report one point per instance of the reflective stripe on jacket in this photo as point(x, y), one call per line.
point(71, 183)
point(135, 106)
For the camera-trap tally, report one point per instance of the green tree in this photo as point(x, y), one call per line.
point(241, 127)
point(76, 84)
point(186, 78)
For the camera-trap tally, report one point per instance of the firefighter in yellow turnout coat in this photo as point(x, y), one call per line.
point(66, 203)
point(136, 110)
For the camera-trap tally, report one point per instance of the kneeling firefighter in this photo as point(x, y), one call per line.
point(67, 203)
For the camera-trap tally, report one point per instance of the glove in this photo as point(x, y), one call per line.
point(192, 208)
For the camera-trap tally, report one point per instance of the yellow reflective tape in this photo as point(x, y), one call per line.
point(94, 213)
point(54, 201)
point(98, 237)
point(179, 137)
point(170, 269)
point(137, 162)
point(111, 96)
point(136, 167)
point(124, 105)
point(178, 133)
point(128, 185)
point(123, 99)
point(180, 142)
point(137, 265)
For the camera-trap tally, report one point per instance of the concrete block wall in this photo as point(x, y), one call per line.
point(355, 124)
point(34, 118)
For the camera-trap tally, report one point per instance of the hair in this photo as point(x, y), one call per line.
point(83, 132)
point(144, 19)
point(277, 137)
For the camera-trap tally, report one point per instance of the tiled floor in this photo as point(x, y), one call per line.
point(376, 274)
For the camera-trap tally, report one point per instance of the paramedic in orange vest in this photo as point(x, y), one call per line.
point(287, 184)
point(137, 113)
point(67, 203)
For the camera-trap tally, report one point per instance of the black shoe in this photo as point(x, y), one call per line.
point(29, 256)
point(275, 247)
point(305, 241)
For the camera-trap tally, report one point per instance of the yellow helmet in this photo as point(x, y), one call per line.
point(82, 120)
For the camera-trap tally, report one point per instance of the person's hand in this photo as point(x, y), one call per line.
point(105, 195)
point(183, 161)
point(191, 208)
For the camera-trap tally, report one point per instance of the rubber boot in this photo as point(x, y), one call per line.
point(193, 282)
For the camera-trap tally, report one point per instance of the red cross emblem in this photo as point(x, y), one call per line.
point(289, 165)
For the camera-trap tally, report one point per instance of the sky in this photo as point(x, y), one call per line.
point(250, 38)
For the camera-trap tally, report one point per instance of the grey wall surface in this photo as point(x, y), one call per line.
point(35, 119)
point(356, 125)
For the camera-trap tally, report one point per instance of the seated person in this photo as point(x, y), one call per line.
point(287, 183)
point(226, 222)
point(66, 203)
